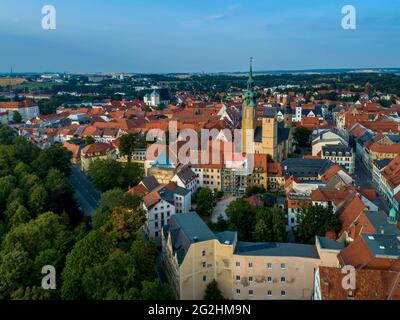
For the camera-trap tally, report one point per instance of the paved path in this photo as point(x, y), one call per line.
point(85, 193)
point(220, 208)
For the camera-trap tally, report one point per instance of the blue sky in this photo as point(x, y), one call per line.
point(194, 36)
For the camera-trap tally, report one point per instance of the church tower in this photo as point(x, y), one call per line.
point(249, 117)
point(288, 114)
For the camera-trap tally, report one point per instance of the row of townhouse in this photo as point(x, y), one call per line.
point(223, 175)
point(386, 177)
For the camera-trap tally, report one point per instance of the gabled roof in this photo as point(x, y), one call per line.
point(150, 183)
point(186, 174)
point(186, 229)
point(391, 173)
point(97, 148)
point(371, 285)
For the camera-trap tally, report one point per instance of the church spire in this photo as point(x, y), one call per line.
point(250, 81)
point(250, 95)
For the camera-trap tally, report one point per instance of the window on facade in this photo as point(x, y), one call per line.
point(204, 278)
point(283, 293)
point(269, 293)
point(237, 264)
point(283, 266)
point(283, 279)
point(250, 279)
point(251, 292)
point(237, 278)
point(203, 253)
point(250, 265)
point(238, 292)
point(269, 265)
point(204, 264)
point(269, 279)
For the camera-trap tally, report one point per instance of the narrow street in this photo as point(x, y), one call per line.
point(85, 193)
point(363, 177)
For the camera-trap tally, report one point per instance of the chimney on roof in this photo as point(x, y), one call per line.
point(195, 239)
point(350, 294)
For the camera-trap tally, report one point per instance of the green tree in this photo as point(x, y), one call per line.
point(93, 249)
point(17, 118)
point(127, 146)
point(241, 218)
point(110, 200)
point(7, 185)
point(56, 157)
point(302, 136)
point(315, 220)
point(132, 174)
point(127, 221)
point(89, 140)
point(250, 191)
point(27, 247)
point(106, 174)
point(212, 292)
point(14, 268)
point(155, 290)
point(37, 200)
point(7, 134)
point(270, 225)
point(205, 201)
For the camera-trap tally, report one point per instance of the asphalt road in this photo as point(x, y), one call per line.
point(363, 177)
point(85, 193)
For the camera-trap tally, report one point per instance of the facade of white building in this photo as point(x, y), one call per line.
point(27, 109)
point(161, 204)
point(341, 155)
point(152, 99)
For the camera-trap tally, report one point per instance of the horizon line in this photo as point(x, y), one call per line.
point(201, 72)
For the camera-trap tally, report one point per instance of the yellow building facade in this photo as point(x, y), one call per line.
point(256, 138)
point(193, 256)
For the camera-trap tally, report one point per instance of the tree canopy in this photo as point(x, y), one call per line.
point(302, 136)
point(315, 220)
point(108, 174)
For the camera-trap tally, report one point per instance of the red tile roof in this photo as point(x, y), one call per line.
point(391, 173)
point(370, 285)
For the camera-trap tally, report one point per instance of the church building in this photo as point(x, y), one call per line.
point(266, 135)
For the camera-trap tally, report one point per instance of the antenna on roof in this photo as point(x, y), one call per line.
point(10, 84)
